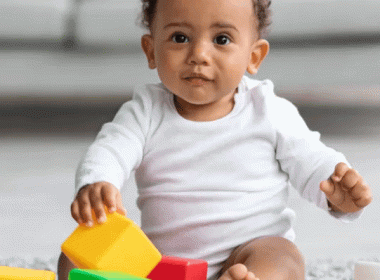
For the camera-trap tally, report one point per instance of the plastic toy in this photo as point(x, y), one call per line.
point(173, 268)
point(116, 245)
point(367, 270)
point(16, 273)
point(90, 274)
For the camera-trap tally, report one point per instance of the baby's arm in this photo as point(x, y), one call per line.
point(109, 161)
point(96, 196)
point(346, 190)
point(308, 161)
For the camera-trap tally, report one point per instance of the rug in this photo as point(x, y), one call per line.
point(319, 269)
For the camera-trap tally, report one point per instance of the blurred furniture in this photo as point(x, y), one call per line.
point(57, 51)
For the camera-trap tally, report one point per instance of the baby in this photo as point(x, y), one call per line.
point(214, 151)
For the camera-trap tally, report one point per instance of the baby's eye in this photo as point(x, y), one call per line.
point(222, 40)
point(179, 38)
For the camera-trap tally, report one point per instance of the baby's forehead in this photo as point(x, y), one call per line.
point(241, 3)
point(241, 11)
point(190, 5)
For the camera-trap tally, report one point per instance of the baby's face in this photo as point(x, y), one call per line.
point(214, 39)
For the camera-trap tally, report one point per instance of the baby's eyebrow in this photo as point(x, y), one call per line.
point(220, 25)
point(178, 24)
point(224, 25)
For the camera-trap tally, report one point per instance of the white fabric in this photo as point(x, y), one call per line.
point(207, 187)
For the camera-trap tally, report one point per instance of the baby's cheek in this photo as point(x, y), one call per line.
point(233, 73)
point(168, 67)
point(172, 58)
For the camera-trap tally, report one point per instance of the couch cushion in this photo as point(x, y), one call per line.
point(295, 18)
point(109, 23)
point(37, 19)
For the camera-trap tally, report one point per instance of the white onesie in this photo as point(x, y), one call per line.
point(207, 187)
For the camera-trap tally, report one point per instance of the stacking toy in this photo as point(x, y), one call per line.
point(367, 270)
point(90, 274)
point(173, 268)
point(16, 273)
point(116, 245)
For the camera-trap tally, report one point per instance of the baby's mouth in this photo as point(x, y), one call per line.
point(197, 81)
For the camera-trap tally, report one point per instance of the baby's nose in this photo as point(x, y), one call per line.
point(200, 53)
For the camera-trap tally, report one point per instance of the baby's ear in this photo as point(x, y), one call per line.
point(148, 48)
point(259, 51)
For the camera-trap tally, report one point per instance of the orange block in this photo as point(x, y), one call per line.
point(16, 273)
point(116, 245)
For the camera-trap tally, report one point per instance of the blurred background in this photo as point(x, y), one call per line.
point(66, 66)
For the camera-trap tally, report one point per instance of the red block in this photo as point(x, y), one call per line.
point(173, 268)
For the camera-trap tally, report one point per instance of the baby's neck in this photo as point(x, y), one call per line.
point(208, 112)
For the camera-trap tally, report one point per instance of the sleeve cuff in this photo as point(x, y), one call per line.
point(343, 217)
point(346, 217)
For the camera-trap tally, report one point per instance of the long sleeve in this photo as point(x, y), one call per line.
point(303, 156)
point(118, 147)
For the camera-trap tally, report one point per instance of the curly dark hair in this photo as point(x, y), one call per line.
point(261, 8)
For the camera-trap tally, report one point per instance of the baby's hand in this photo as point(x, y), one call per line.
point(346, 190)
point(96, 196)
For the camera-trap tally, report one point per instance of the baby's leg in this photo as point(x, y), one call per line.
point(64, 267)
point(268, 258)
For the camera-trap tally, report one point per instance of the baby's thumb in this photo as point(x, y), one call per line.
point(327, 187)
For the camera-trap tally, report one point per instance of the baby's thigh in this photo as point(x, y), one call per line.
point(269, 253)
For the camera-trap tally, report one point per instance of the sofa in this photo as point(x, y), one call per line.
point(65, 51)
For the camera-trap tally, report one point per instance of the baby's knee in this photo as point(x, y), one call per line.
point(288, 248)
point(284, 254)
point(279, 257)
point(294, 263)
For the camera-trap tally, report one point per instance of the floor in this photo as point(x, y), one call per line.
point(40, 148)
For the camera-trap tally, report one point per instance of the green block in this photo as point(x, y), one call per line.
point(91, 274)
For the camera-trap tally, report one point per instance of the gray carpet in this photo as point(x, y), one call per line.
point(322, 269)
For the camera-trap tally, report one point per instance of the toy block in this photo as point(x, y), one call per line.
point(173, 268)
point(16, 273)
point(116, 245)
point(91, 274)
point(367, 270)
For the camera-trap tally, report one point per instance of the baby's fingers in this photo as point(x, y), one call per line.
point(340, 170)
point(361, 194)
point(119, 204)
point(112, 199)
point(108, 193)
point(84, 208)
point(333, 193)
point(97, 203)
point(351, 179)
point(75, 212)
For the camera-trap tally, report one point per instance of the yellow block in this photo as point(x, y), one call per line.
point(116, 245)
point(16, 273)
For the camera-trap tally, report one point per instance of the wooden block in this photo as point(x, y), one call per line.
point(90, 274)
point(16, 273)
point(173, 268)
point(116, 245)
